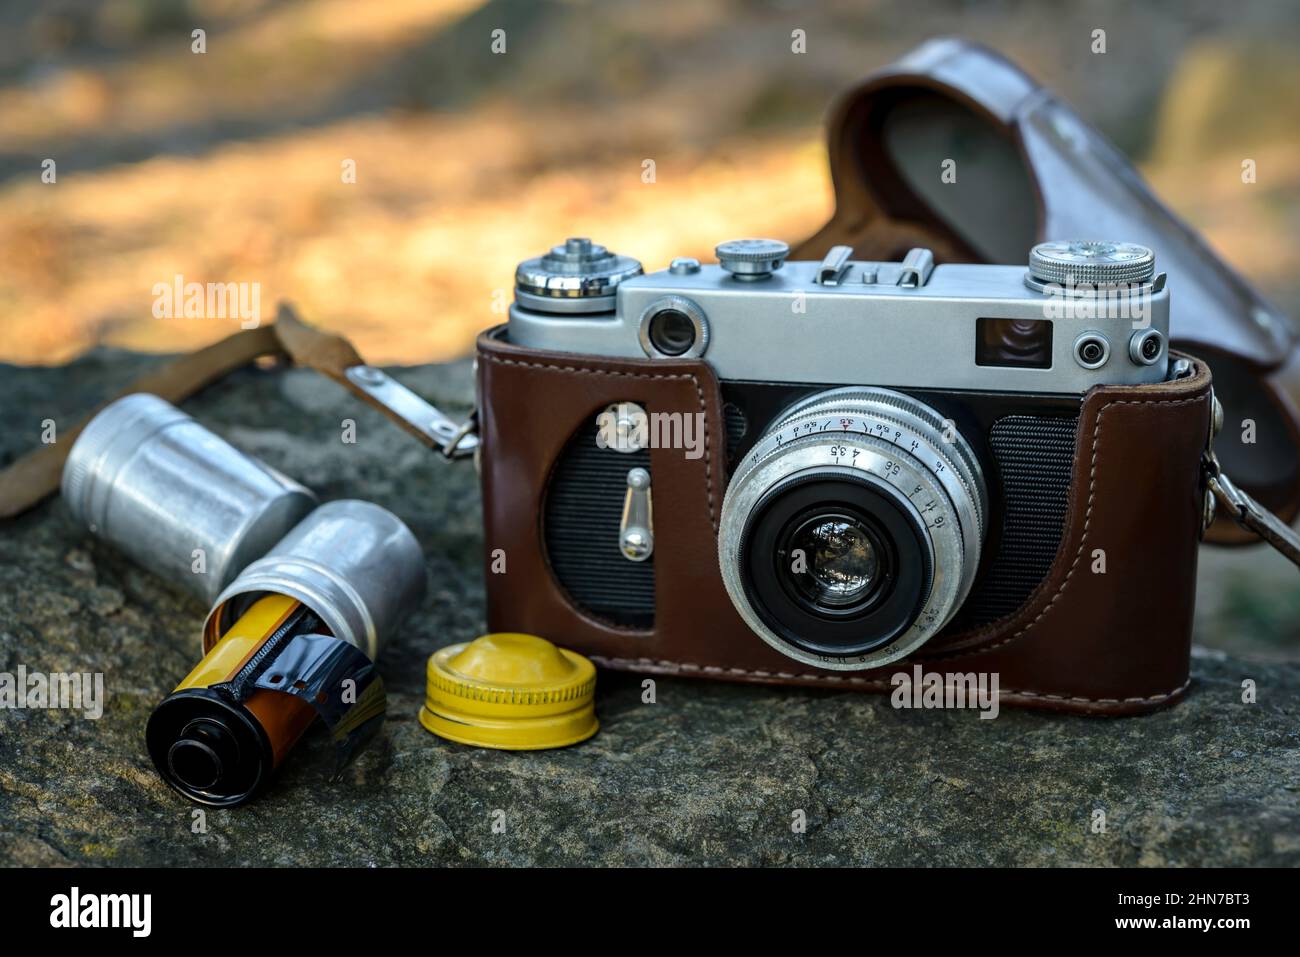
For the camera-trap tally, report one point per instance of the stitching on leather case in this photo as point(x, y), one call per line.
point(1083, 538)
point(868, 682)
point(699, 392)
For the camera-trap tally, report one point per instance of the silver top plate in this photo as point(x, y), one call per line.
point(876, 323)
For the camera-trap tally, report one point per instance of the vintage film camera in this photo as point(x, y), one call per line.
point(994, 467)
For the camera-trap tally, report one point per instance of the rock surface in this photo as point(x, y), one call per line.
point(711, 773)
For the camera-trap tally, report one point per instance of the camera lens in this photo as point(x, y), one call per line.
point(672, 332)
point(835, 564)
point(851, 533)
point(834, 560)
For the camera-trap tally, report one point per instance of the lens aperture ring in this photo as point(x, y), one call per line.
point(904, 421)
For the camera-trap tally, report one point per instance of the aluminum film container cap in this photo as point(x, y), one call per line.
point(354, 564)
point(178, 499)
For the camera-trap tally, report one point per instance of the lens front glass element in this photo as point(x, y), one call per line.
point(833, 560)
point(833, 564)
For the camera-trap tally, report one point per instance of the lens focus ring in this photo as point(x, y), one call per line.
point(892, 445)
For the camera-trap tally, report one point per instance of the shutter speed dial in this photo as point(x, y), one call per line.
point(1089, 262)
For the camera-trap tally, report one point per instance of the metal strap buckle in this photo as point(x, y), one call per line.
point(455, 441)
point(464, 442)
point(1250, 515)
point(1243, 509)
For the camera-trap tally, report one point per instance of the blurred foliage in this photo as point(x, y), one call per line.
point(225, 166)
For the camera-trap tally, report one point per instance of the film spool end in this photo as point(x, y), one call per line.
point(208, 749)
point(201, 757)
point(510, 691)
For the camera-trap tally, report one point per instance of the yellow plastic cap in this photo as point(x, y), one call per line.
point(511, 691)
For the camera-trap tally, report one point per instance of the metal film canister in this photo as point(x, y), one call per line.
point(290, 640)
point(179, 500)
point(353, 563)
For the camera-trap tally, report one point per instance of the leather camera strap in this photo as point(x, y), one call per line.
point(36, 475)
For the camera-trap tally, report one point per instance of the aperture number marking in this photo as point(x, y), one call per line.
point(839, 453)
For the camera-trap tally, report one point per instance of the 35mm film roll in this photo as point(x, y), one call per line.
point(232, 721)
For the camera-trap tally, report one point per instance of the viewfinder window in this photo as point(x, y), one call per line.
point(1013, 343)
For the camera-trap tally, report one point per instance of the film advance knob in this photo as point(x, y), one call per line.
point(752, 258)
point(1087, 262)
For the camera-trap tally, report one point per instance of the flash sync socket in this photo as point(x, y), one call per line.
point(1146, 347)
point(1091, 350)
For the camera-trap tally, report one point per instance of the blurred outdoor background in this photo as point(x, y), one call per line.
point(226, 166)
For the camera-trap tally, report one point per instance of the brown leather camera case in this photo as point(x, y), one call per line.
point(1097, 643)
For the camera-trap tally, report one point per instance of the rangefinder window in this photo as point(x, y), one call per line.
point(1013, 343)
